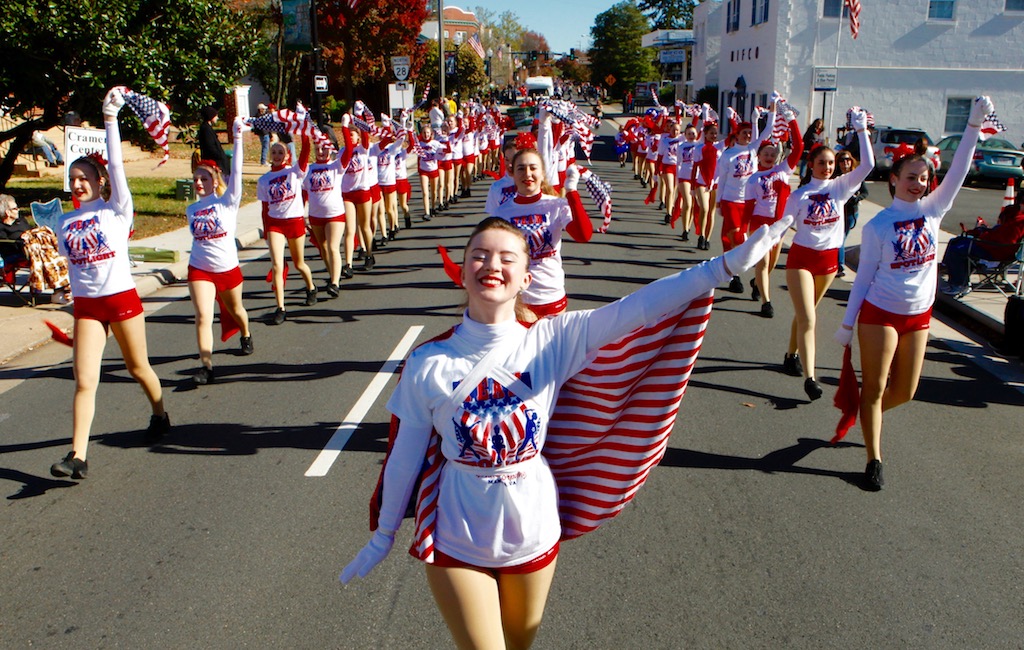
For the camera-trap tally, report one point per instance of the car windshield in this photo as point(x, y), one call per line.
point(903, 137)
point(997, 143)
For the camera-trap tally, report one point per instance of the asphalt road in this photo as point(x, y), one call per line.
point(751, 533)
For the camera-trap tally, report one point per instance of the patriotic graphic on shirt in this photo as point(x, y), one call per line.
point(744, 166)
point(155, 116)
point(914, 244)
point(820, 212)
point(507, 194)
point(206, 225)
point(538, 234)
point(320, 180)
point(85, 242)
point(280, 189)
point(496, 428)
point(767, 184)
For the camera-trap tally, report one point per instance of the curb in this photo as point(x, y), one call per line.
point(146, 285)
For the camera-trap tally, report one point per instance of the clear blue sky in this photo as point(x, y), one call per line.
point(564, 23)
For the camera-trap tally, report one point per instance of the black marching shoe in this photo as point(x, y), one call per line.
point(368, 263)
point(755, 293)
point(203, 377)
point(873, 480)
point(736, 285)
point(408, 220)
point(767, 311)
point(310, 297)
point(346, 271)
point(661, 206)
point(245, 346)
point(159, 426)
point(791, 365)
point(277, 317)
point(332, 290)
point(700, 242)
point(70, 466)
point(427, 217)
point(685, 236)
point(668, 217)
point(812, 388)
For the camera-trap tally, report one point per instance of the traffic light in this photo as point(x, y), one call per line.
point(533, 55)
point(572, 53)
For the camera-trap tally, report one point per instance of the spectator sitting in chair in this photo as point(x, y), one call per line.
point(994, 244)
point(12, 226)
point(42, 145)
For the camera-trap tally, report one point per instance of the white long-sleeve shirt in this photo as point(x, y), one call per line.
point(737, 164)
point(898, 270)
point(497, 500)
point(213, 221)
point(94, 237)
point(542, 221)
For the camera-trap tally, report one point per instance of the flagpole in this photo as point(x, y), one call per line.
point(440, 42)
point(835, 93)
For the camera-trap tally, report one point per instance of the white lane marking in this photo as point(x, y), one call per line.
point(355, 416)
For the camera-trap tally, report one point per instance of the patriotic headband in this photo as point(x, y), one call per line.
point(97, 157)
point(525, 140)
point(212, 164)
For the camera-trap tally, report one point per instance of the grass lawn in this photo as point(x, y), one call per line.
point(156, 208)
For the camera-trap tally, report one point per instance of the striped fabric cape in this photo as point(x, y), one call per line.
point(610, 427)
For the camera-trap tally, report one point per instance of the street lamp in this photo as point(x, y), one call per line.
point(490, 69)
point(457, 39)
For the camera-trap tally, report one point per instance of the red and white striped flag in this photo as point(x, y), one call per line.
point(474, 42)
point(155, 116)
point(854, 7)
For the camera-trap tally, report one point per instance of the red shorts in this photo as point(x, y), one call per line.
point(402, 186)
point(432, 173)
point(375, 194)
point(817, 262)
point(358, 196)
point(323, 221)
point(389, 189)
point(109, 309)
point(290, 228)
point(549, 309)
point(756, 221)
point(872, 315)
point(668, 169)
point(446, 165)
point(223, 281)
point(536, 564)
point(470, 159)
point(736, 215)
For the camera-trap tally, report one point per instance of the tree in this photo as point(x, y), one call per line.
point(534, 42)
point(66, 56)
point(502, 33)
point(358, 43)
point(668, 14)
point(469, 75)
point(617, 48)
point(573, 71)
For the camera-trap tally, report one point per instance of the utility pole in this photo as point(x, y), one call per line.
point(315, 62)
point(440, 42)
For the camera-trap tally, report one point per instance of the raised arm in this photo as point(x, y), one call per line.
point(942, 197)
point(234, 195)
point(120, 195)
point(793, 160)
point(848, 183)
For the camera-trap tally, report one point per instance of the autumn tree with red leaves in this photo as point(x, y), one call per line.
point(358, 43)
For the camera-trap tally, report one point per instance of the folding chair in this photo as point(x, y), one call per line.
point(9, 270)
point(994, 273)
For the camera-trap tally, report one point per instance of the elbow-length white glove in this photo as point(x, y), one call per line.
point(844, 336)
point(113, 101)
point(370, 556)
point(980, 110)
point(746, 255)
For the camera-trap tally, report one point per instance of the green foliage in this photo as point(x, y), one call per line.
point(334, 108)
point(573, 70)
point(617, 48)
point(708, 95)
point(667, 95)
point(470, 76)
point(668, 14)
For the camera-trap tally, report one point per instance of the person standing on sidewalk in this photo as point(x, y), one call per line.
point(846, 163)
point(813, 259)
point(891, 299)
point(213, 270)
point(94, 238)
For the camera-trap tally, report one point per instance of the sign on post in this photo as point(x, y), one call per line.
point(400, 66)
point(320, 83)
point(825, 79)
point(610, 80)
point(673, 56)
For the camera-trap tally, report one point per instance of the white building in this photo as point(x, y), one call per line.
point(916, 63)
point(674, 55)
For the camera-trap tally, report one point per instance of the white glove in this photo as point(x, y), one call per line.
point(572, 178)
point(359, 108)
point(346, 121)
point(750, 252)
point(113, 102)
point(980, 109)
point(788, 116)
point(844, 336)
point(755, 114)
point(300, 112)
point(775, 98)
point(240, 126)
point(385, 121)
point(859, 120)
point(372, 554)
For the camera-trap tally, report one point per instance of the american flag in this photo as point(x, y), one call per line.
point(601, 193)
point(155, 116)
point(474, 42)
point(854, 7)
point(610, 426)
point(990, 126)
point(286, 121)
point(849, 117)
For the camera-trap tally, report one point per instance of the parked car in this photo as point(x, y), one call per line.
point(994, 158)
point(886, 140)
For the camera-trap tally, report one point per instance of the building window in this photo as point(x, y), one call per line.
point(958, 109)
point(760, 12)
point(831, 9)
point(732, 16)
point(1014, 5)
point(941, 9)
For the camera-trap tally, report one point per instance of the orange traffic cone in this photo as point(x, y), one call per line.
point(1008, 196)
